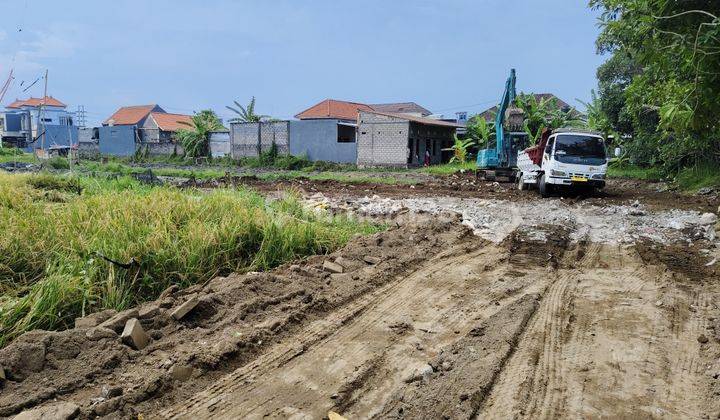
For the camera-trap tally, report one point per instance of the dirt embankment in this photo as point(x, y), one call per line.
point(564, 310)
point(236, 319)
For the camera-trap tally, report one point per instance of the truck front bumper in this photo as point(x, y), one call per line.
point(592, 183)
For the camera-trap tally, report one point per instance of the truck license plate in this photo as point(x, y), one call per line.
point(578, 179)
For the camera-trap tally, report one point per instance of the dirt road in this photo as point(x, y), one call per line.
point(464, 309)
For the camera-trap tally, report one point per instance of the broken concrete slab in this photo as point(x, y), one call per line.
point(182, 310)
point(333, 267)
point(61, 411)
point(95, 319)
point(134, 335)
point(340, 276)
point(118, 321)
point(372, 260)
point(149, 311)
point(98, 333)
point(181, 372)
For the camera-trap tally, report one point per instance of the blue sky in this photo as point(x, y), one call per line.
point(450, 55)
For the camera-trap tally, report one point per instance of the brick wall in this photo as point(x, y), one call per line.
point(382, 140)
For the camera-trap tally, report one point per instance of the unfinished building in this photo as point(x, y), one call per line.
point(401, 140)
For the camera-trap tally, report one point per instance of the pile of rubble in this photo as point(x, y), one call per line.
point(495, 219)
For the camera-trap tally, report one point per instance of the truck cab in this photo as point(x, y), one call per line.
point(570, 158)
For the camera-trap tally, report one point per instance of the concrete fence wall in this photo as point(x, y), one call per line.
point(251, 139)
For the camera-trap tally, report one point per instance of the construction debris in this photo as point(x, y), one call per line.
point(134, 335)
point(182, 310)
point(61, 411)
point(371, 260)
point(333, 267)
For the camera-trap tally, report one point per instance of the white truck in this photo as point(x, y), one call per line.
point(563, 158)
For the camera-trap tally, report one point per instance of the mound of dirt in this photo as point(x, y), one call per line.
point(232, 321)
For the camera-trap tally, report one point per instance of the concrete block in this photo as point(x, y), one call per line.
point(134, 335)
point(95, 319)
point(118, 321)
point(333, 267)
point(181, 372)
point(149, 311)
point(182, 310)
point(61, 411)
point(98, 333)
point(372, 260)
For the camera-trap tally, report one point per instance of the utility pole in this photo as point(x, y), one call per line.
point(41, 115)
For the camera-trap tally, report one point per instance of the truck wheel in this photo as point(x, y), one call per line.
point(544, 188)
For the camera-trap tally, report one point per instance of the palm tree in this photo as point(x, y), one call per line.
point(195, 139)
point(246, 114)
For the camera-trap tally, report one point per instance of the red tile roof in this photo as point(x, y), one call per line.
point(131, 115)
point(172, 122)
point(420, 120)
point(331, 108)
point(48, 101)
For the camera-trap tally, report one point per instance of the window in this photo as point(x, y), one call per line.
point(47, 120)
point(113, 133)
point(345, 134)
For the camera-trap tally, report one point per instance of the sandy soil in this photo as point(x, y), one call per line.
point(472, 305)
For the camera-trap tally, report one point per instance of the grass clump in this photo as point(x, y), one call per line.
point(705, 175)
point(448, 168)
point(51, 254)
point(629, 171)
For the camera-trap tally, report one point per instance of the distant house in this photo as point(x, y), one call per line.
point(343, 132)
point(328, 130)
point(132, 115)
point(38, 122)
point(489, 114)
point(402, 140)
point(145, 128)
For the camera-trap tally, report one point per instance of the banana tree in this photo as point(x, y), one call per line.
point(460, 149)
point(246, 113)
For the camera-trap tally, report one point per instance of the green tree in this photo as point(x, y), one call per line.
point(461, 150)
point(480, 130)
point(662, 80)
point(195, 139)
point(246, 113)
point(544, 113)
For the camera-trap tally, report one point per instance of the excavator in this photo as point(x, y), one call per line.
point(500, 159)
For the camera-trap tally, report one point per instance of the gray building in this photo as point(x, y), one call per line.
point(328, 140)
point(401, 140)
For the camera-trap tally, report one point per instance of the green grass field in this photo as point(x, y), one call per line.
point(56, 230)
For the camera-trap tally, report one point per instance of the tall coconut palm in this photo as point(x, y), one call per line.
point(246, 114)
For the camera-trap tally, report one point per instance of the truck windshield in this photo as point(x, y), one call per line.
point(580, 149)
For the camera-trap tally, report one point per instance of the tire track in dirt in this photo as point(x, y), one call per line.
point(361, 316)
point(529, 383)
